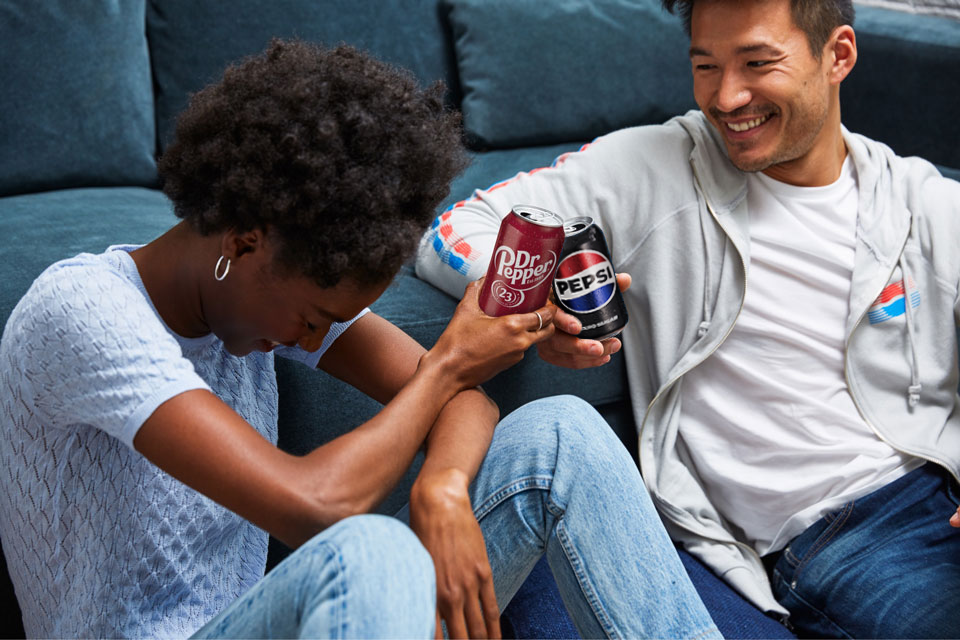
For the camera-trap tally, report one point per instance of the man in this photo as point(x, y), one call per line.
point(791, 351)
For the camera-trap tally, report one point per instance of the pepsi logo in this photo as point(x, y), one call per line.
point(585, 281)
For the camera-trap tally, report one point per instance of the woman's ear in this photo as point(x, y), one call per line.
point(235, 245)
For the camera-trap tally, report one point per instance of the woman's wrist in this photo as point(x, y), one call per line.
point(440, 373)
point(439, 487)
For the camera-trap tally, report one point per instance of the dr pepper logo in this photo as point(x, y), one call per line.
point(522, 270)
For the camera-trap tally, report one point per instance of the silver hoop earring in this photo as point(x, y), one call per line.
point(216, 270)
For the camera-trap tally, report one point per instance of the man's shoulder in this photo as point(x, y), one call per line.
point(644, 158)
point(674, 138)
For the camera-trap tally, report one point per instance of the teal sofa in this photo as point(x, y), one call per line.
point(91, 92)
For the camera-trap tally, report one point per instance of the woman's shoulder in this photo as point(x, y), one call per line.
point(84, 286)
point(87, 294)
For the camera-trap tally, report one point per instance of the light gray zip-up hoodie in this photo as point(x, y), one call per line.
point(674, 210)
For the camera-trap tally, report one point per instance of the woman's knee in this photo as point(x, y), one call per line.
point(563, 420)
point(368, 570)
point(376, 544)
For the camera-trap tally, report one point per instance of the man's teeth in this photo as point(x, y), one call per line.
point(746, 126)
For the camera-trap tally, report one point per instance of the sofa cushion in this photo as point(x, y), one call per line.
point(77, 101)
point(537, 611)
point(193, 41)
point(905, 88)
point(534, 72)
point(60, 224)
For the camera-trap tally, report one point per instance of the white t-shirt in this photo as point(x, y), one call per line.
point(99, 541)
point(767, 420)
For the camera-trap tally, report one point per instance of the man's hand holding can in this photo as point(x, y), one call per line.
point(565, 349)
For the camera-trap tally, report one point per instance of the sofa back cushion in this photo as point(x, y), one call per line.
point(193, 41)
point(76, 105)
point(535, 72)
point(905, 88)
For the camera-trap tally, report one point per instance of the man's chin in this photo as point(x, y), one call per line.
point(755, 166)
point(747, 163)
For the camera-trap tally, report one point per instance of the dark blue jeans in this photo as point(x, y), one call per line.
point(884, 566)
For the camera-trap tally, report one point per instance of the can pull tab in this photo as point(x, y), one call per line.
point(702, 329)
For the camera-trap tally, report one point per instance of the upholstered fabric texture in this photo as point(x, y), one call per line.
point(408, 33)
point(905, 88)
point(77, 101)
point(610, 64)
point(39, 229)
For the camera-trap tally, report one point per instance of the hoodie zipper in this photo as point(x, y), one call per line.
point(750, 550)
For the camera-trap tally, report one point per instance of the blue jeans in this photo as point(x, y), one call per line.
point(365, 577)
point(557, 481)
point(884, 566)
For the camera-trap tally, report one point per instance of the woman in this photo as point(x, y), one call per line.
point(141, 421)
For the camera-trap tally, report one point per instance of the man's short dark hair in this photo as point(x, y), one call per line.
point(816, 18)
point(341, 157)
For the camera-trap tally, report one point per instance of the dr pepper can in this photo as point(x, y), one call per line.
point(524, 260)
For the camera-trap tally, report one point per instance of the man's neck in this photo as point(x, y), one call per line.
point(817, 168)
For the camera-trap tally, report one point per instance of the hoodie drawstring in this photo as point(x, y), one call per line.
point(913, 391)
point(707, 313)
point(705, 324)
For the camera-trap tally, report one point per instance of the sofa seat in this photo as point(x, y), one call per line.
point(41, 228)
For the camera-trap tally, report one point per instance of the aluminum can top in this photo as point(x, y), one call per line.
point(573, 226)
point(539, 216)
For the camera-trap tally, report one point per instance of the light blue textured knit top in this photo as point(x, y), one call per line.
point(99, 541)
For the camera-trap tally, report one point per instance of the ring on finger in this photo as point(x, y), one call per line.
point(540, 318)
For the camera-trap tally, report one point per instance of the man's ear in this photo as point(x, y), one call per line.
point(840, 53)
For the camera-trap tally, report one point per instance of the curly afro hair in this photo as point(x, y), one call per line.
point(340, 157)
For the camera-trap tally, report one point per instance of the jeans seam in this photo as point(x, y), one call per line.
point(329, 552)
point(509, 490)
point(820, 613)
point(709, 631)
point(835, 527)
point(577, 565)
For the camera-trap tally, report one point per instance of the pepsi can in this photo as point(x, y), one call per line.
point(524, 260)
point(586, 284)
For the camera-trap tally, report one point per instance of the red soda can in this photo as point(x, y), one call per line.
point(523, 263)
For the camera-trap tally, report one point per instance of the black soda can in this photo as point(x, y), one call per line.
point(585, 284)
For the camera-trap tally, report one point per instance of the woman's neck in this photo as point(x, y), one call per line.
point(171, 269)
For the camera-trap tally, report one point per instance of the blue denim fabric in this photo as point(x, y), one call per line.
point(558, 480)
point(365, 577)
point(884, 566)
